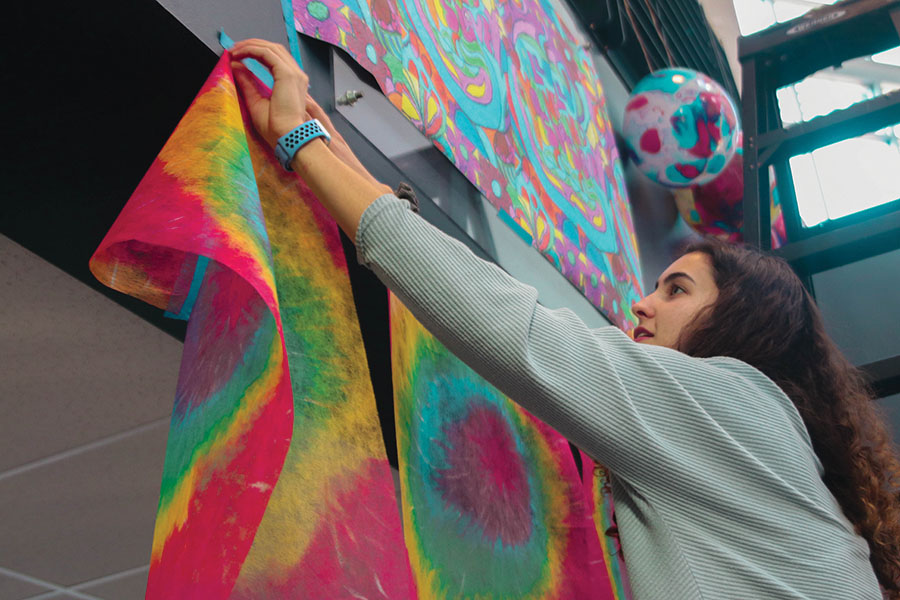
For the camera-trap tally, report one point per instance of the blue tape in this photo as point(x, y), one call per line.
point(188, 305)
point(256, 67)
point(518, 229)
point(287, 10)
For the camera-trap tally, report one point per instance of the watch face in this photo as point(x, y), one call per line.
point(323, 132)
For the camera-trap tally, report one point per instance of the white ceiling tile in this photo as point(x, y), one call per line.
point(87, 516)
point(16, 589)
point(76, 366)
point(130, 587)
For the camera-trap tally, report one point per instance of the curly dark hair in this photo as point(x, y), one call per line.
point(765, 317)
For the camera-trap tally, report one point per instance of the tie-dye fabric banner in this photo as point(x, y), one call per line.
point(504, 93)
point(275, 482)
point(493, 504)
point(600, 501)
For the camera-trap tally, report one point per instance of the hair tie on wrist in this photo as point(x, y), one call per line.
point(405, 191)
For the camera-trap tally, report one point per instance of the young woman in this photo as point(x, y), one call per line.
point(745, 457)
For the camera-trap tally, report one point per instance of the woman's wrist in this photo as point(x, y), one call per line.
point(308, 155)
point(314, 152)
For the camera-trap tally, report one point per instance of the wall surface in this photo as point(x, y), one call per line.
point(86, 391)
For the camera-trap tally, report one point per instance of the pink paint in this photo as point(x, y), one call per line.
point(687, 171)
point(499, 499)
point(650, 142)
point(227, 307)
point(585, 575)
point(636, 103)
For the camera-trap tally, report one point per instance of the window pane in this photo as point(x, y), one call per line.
point(818, 95)
point(888, 57)
point(809, 193)
point(846, 177)
point(754, 15)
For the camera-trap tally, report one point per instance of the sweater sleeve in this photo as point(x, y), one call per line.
point(624, 403)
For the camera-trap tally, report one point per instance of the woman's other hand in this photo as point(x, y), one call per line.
point(276, 114)
point(339, 146)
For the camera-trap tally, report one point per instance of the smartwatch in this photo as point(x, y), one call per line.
point(289, 143)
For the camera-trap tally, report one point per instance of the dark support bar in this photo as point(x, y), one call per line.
point(855, 121)
point(844, 245)
point(750, 121)
point(884, 376)
point(789, 51)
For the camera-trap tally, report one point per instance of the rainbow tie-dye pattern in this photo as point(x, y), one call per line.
point(274, 438)
point(493, 503)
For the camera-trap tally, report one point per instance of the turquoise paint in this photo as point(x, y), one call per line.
point(188, 305)
point(518, 229)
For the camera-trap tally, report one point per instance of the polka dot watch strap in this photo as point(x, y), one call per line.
point(289, 143)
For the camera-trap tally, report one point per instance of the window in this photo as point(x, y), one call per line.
point(851, 175)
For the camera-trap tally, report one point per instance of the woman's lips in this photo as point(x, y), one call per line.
point(642, 334)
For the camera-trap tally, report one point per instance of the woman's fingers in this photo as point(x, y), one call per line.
point(286, 107)
point(274, 56)
point(317, 112)
point(280, 68)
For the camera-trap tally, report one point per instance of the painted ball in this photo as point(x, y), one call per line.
point(680, 127)
point(716, 208)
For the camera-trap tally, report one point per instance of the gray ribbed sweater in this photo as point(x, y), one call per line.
point(718, 492)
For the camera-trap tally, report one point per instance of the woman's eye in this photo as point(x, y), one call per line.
point(675, 289)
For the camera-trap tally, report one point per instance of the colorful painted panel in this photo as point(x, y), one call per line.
point(493, 504)
point(274, 436)
point(502, 91)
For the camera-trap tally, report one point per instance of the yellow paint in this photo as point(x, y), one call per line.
point(577, 202)
point(526, 226)
point(438, 9)
point(449, 64)
point(542, 133)
point(431, 109)
point(476, 91)
point(408, 109)
point(553, 179)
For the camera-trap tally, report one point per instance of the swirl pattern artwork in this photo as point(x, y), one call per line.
point(503, 92)
point(274, 436)
point(493, 504)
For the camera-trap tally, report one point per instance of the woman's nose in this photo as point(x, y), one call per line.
point(643, 308)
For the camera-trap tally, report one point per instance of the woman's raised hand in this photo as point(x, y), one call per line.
point(275, 115)
point(335, 176)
